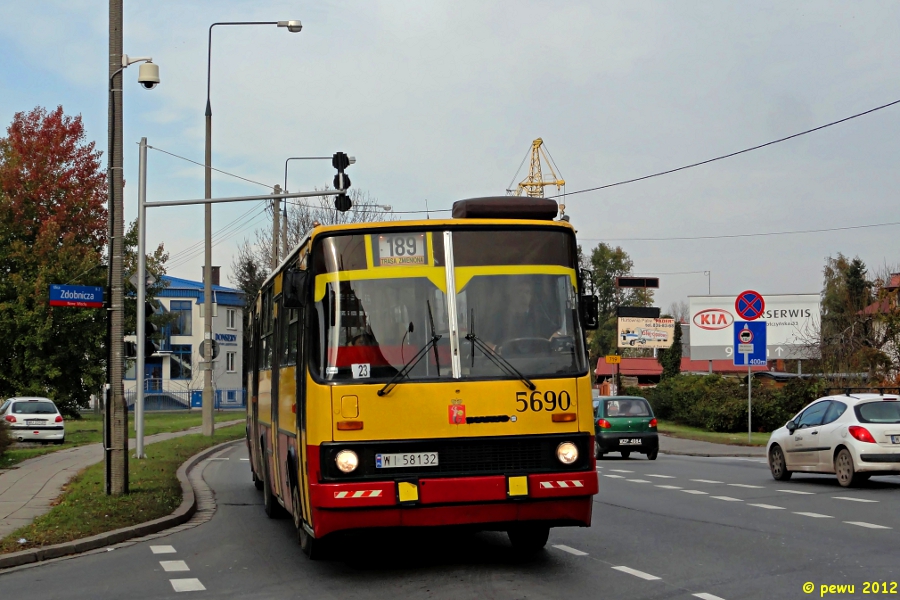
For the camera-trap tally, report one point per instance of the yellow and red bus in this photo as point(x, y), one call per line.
point(426, 373)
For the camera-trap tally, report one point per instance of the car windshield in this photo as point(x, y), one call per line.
point(34, 408)
point(627, 407)
point(381, 300)
point(879, 412)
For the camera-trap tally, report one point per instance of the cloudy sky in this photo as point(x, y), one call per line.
point(441, 100)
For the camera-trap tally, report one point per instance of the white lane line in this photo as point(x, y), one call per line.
point(694, 492)
point(173, 565)
point(636, 573)
point(659, 476)
point(245, 459)
point(570, 550)
point(669, 487)
point(727, 498)
point(621, 471)
point(187, 585)
point(705, 596)
point(853, 499)
point(797, 492)
point(744, 485)
point(814, 515)
point(615, 476)
point(637, 480)
point(706, 481)
point(867, 525)
point(767, 506)
point(162, 549)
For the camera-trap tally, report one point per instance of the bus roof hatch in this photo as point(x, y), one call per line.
point(505, 207)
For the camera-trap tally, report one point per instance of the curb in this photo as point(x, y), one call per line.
point(182, 514)
point(708, 455)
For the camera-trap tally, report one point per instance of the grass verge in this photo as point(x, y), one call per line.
point(85, 510)
point(89, 430)
point(695, 433)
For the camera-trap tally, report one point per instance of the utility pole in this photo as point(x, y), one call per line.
point(116, 451)
point(276, 226)
point(284, 231)
point(208, 426)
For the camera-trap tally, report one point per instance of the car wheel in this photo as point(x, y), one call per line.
point(777, 464)
point(597, 452)
point(60, 442)
point(528, 539)
point(652, 455)
point(845, 471)
point(626, 453)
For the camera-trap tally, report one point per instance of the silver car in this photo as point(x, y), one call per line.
point(853, 436)
point(33, 419)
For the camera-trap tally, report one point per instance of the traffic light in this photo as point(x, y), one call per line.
point(341, 161)
point(150, 347)
point(130, 350)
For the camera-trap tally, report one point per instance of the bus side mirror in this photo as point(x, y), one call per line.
point(295, 288)
point(590, 312)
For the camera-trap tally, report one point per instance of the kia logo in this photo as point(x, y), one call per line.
point(713, 318)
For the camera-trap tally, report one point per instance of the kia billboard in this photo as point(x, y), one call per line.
point(792, 326)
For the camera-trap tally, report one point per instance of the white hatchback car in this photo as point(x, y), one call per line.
point(853, 436)
point(33, 419)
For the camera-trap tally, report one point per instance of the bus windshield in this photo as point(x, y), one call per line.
point(381, 299)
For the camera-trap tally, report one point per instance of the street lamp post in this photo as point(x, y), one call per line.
point(206, 366)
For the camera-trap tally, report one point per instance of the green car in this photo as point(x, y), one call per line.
point(624, 424)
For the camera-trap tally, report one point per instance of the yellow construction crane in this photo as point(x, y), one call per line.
point(533, 185)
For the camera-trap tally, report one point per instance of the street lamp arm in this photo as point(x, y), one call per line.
point(299, 158)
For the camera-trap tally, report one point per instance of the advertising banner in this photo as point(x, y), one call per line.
point(637, 332)
point(792, 326)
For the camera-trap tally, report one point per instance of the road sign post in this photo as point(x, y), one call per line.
point(750, 350)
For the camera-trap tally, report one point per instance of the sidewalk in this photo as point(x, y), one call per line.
point(673, 445)
point(27, 490)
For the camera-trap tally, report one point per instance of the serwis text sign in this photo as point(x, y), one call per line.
point(81, 296)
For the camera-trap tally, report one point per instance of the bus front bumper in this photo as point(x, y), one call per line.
point(488, 502)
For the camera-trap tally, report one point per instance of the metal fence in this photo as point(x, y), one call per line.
point(157, 398)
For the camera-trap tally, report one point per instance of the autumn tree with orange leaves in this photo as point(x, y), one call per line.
point(52, 230)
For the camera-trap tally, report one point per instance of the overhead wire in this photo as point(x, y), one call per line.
point(211, 168)
point(247, 223)
point(731, 154)
point(741, 235)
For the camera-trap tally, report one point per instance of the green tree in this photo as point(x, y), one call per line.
point(607, 263)
point(52, 230)
point(670, 358)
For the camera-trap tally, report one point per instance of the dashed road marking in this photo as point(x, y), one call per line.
point(636, 573)
point(245, 459)
point(570, 550)
point(659, 476)
point(767, 506)
point(853, 499)
point(669, 487)
point(162, 549)
point(727, 498)
point(621, 471)
point(694, 492)
point(638, 480)
point(173, 565)
point(615, 476)
point(705, 596)
point(187, 585)
point(706, 481)
point(814, 515)
point(866, 525)
point(745, 485)
point(798, 492)
point(217, 458)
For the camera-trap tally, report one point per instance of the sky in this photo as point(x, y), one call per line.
point(440, 101)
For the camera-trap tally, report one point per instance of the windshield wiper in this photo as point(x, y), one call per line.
point(409, 366)
point(495, 358)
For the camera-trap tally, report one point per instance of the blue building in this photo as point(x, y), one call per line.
point(173, 377)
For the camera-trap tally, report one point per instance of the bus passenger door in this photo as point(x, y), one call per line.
point(256, 453)
point(275, 463)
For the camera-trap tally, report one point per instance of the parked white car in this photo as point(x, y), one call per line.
point(853, 436)
point(33, 419)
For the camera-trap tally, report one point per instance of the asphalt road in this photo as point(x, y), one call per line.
point(677, 527)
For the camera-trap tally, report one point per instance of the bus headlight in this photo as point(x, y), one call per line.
point(346, 461)
point(567, 453)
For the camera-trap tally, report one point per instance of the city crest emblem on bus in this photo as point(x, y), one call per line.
point(457, 414)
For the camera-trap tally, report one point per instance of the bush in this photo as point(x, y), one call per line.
point(718, 403)
point(5, 440)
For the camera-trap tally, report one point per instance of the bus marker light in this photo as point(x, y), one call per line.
point(407, 492)
point(563, 417)
point(517, 486)
point(349, 425)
